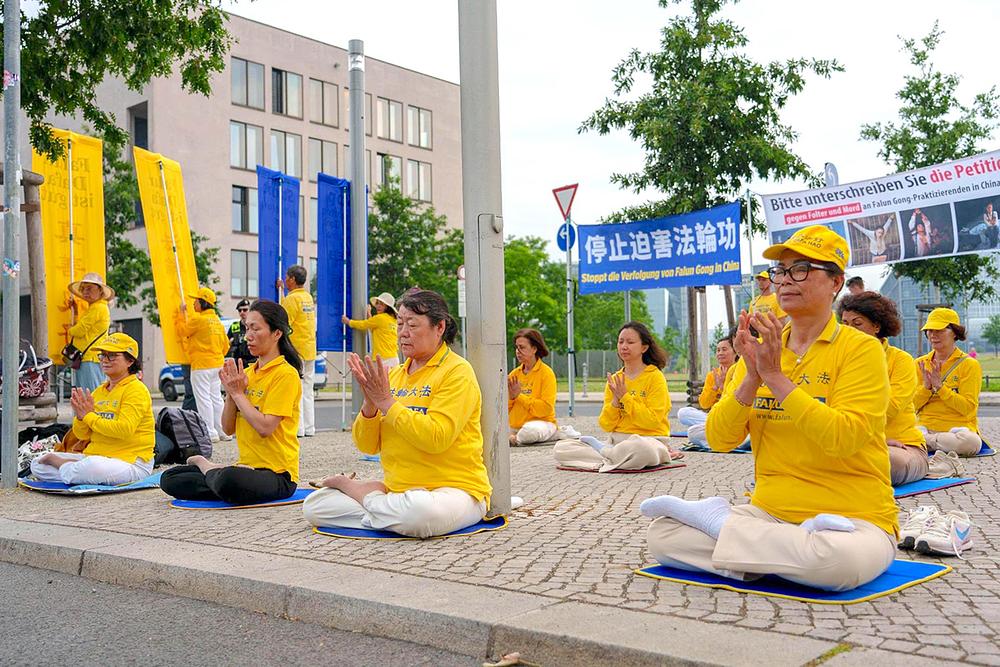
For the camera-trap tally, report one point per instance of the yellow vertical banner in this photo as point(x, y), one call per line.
point(161, 190)
point(72, 203)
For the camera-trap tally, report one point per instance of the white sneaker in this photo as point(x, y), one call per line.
point(944, 464)
point(947, 535)
point(214, 439)
point(225, 437)
point(915, 523)
point(567, 431)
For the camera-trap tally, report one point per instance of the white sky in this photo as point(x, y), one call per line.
point(556, 58)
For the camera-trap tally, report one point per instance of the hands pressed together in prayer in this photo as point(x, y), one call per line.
point(513, 388)
point(373, 378)
point(762, 357)
point(81, 401)
point(233, 377)
point(616, 383)
point(932, 376)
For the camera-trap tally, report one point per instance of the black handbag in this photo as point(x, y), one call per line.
point(74, 355)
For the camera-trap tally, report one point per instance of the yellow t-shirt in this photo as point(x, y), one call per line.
point(302, 318)
point(121, 425)
point(92, 325)
point(645, 405)
point(431, 436)
point(274, 389)
point(958, 401)
point(823, 448)
point(710, 394)
point(900, 417)
point(537, 399)
point(205, 339)
point(767, 304)
point(383, 328)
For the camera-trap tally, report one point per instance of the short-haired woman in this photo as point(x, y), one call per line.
point(262, 410)
point(875, 315)
point(423, 418)
point(813, 396)
point(117, 419)
point(382, 326)
point(947, 397)
point(531, 391)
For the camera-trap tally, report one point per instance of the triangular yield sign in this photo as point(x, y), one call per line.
point(564, 197)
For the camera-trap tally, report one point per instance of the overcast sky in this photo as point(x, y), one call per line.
point(556, 58)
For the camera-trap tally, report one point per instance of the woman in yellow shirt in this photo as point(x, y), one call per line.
point(383, 327)
point(423, 418)
point(117, 419)
point(205, 340)
point(531, 390)
point(813, 396)
point(947, 397)
point(875, 315)
point(262, 409)
point(711, 392)
point(636, 402)
point(90, 328)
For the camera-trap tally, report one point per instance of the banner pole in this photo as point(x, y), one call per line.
point(753, 282)
point(280, 187)
point(72, 254)
point(170, 225)
point(343, 327)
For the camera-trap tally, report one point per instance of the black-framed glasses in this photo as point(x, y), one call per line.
point(242, 310)
point(108, 356)
point(798, 271)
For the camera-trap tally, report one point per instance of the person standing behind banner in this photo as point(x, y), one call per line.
point(383, 328)
point(206, 344)
point(238, 348)
point(767, 300)
point(90, 328)
point(298, 303)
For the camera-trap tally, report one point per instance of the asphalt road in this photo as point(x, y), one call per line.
point(57, 619)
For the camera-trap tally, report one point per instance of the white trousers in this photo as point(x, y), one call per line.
point(208, 398)
point(536, 431)
point(85, 469)
point(414, 513)
point(307, 406)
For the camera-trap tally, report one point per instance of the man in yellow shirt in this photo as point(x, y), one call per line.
point(767, 300)
point(204, 338)
point(298, 303)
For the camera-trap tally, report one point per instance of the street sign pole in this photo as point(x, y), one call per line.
point(564, 199)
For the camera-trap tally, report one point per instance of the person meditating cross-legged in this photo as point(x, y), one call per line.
point(423, 418)
point(262, 409)
point(813, 396)
point(715, 382)
point(531, 391)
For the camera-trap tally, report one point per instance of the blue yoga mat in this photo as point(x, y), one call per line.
point(371, 458)
point(986, 450)
point(901, 574)
point(486, 525)
point(294, 499)
point(694, 447)
point(60, 489)
point(678, 434)
point(928, 485)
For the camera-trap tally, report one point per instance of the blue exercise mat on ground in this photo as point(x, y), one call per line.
point(486, 525)
point(695, 447)
point(60, 489)
point(371, 458)
point(928, 485)
point(986, 450)
point(678, 434)
point(294, 499)
point(901, 574)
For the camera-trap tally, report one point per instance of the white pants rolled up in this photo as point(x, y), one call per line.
point(85, 469)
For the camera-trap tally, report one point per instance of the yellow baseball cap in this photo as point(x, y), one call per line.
point(763, 274)
point(118, 342)
point(815, 242)
point(205, 294)
point(940, 318)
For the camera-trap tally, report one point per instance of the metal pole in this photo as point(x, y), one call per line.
point(170, 225)
point(753, 274)
point(11, 238)
point(703, 325)
point(280, 276)
point(359, 201)
point(481, 188)
point(570, 366)
point(343, 327)
point(465, 341)
point(586, 370)
point(72, 236)
point(628, 305)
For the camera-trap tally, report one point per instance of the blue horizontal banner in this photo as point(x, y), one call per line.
point(692, 249)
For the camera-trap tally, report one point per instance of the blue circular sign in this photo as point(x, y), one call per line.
point(565, 230)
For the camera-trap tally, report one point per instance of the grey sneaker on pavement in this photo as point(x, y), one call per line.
point(915, 523)
point(944, 464)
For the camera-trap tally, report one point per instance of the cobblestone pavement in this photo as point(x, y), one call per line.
point(579, 536)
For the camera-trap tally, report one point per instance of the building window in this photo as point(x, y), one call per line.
point(418, 180)
point(244, 209)
point(418, 127)
point(313, 219)
point(368, 111)
point(286, 93)
point(246, 145)
point(286, 153)
point(243, 273)
point(347, 165)
point(322, 158)
point(324, 102)
point(248, 83)
point(389, 119)
point(390, 169)
point(302, 221)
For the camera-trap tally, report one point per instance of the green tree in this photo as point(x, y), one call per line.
point(709, 121)
point(600, 316)
point(535, 289)
point(69, 48)
point(991, 332)
point(934, 127)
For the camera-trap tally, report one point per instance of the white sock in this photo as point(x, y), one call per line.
point(593, 442)
point(828, 522)
point(706, 515)
point(959, 429)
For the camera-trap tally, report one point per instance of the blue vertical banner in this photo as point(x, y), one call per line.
point(272, 185)
point(333, 266)
point(693, 249)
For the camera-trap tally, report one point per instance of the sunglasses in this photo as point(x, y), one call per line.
point(242, 310)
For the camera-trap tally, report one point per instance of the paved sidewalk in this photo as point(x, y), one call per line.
point(555, 585)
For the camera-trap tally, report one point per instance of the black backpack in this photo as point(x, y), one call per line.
point(185, 435)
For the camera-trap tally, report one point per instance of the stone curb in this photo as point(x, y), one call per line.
point(471, 620)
